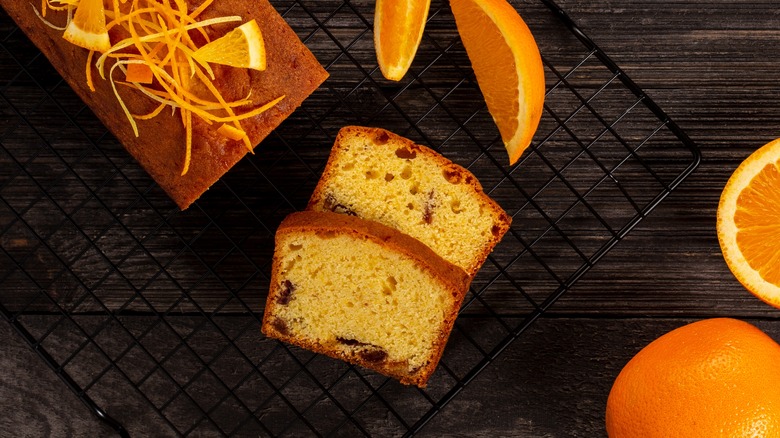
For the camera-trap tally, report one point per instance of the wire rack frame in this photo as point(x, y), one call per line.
point(115, 289)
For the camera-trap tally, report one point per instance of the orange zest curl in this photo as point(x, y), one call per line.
point(151, 45)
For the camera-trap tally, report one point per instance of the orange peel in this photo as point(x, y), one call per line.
point(160, 60)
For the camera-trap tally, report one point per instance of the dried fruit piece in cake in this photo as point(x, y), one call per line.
point(377, 175)
point(362, 292)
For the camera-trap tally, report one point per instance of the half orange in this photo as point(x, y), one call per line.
point(508, 66)
point(398, 30)
point(749, 223)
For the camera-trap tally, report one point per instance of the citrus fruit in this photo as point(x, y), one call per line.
point(140, 73)
point(749, 223)
point(712, 378)
point(88, 27)
point(508, 66)
point(242, 47)
point(398, 29)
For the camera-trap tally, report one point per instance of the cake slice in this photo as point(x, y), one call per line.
point(362, 292)
point(292, 71)
point(378, 175)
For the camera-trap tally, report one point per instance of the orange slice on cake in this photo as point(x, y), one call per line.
point(88, 27)
point(243, 47)
point(508, 66)
point(749, 223)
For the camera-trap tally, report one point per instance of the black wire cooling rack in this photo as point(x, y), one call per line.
point(134, 303)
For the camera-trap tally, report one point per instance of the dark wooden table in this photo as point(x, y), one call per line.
point(713, 67)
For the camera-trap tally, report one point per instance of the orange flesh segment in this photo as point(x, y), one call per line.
point(88, 27)
point(243, 47)
point(496, 58)
point(140, 73)
point(397, 33)
point(508, 67)
point(758, 220)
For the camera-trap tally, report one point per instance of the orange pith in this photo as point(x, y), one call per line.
point(398, 30)
point(139, 73)
point(508, 67)
point(758, 220)
point(715, 377)
point(749, 223)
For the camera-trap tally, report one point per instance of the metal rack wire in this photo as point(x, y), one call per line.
point(127, 298)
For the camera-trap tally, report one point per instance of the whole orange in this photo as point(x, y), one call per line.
point(712, 378)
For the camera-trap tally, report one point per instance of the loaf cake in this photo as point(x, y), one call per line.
point(292, 71)
point(362, 292)
point(377, 175)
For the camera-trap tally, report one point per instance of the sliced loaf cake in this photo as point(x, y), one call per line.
point(377, 175)
point(362, 292)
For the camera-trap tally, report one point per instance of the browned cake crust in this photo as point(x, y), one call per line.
point(292, 71)
point(454, 172)
point(455, 279)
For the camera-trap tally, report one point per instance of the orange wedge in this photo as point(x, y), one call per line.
point(243, 47)
point(88, 27)
point(398, 29)
point(508, 66)
point(749, 223)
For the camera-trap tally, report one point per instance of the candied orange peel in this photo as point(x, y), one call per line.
point(158, 57)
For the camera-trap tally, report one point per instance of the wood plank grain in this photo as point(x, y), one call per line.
point(708, 67)
point(552, 382)
point(711, 65)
